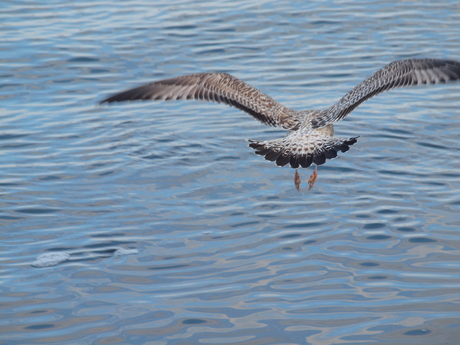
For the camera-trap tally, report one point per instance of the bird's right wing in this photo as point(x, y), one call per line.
point(396, 74)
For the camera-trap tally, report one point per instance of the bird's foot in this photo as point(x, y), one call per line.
point(297, 180)
point(312, 179)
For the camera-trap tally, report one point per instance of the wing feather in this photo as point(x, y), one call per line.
point(215, 87)
point(394, 75)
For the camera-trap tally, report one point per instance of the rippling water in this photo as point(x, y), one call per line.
point(165, 227)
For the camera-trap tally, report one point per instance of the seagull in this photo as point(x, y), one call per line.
point(310, 138)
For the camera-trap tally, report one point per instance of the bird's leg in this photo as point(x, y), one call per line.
point(312, 179)
point(297, 180)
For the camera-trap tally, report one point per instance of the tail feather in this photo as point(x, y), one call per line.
point(301, 152)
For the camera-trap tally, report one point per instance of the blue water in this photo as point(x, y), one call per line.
point(224, 250)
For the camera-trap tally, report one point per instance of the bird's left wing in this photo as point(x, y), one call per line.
point(216, 87)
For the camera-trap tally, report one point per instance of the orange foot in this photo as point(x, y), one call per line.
point(312, 179)
point(297, 180)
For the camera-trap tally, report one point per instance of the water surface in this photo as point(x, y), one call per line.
point(218, 245)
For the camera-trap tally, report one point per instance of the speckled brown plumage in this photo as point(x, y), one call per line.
point(215, 87)
point(311, 134)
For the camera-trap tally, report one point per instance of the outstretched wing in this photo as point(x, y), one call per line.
point(396, 74)
point(215, 87)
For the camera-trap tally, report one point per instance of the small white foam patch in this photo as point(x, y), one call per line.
point(51, 259)
point(122, 251)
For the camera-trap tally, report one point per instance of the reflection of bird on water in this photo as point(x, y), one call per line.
point(311, 133)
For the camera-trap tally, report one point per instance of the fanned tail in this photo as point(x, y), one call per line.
point(301, 153)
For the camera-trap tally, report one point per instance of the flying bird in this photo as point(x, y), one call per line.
point(310, 138)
